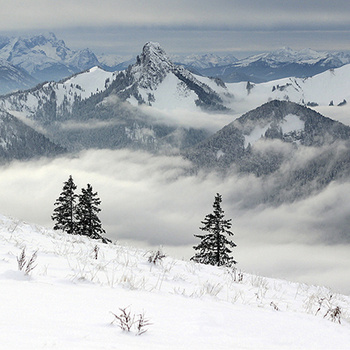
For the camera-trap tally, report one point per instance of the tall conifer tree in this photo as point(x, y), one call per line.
point(88, 222)
point(64, 213)
point(214, 248)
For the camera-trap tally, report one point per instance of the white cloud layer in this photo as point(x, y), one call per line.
point(151, 200)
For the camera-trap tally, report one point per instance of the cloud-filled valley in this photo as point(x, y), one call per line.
point(281, 168)
point(153, 201)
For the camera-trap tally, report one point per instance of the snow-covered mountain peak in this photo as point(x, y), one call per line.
point(153, 55)
point(152, 66)
point(45, 57)
point(286, 55)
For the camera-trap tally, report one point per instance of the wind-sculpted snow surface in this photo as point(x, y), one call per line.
point(69, 298)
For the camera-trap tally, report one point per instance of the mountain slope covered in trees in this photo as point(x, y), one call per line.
point(20, 141)
point(302, 150)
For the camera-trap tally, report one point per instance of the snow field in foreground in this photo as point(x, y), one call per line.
point(67, 300)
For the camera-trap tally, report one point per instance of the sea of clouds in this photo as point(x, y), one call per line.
point(154, 201)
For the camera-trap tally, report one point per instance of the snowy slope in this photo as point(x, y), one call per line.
point(80, 86)
point(67, 300)
point(321, 89)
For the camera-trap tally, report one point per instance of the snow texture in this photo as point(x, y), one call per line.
point(67, 300)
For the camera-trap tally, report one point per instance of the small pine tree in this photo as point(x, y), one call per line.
point(88, 222)
point(64, 213)
point(214, 248)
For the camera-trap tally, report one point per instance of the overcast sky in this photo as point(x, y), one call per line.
point(184, 26)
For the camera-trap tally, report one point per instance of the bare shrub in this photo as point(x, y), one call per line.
point(21, 260)
point(24, 264)
point(141, 323)
point(125, 319)
point(333, 314)
point(156, 257)
point(235, 274)
point(274, 306)
point(128, 321)
point(325, 303)
point(212, 289)
point(96, 250)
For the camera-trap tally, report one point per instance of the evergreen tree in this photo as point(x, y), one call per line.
point(64, 213)
point(214, 248)
point(88, 222)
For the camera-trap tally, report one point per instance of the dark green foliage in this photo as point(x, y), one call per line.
point(88, 222)
point(64, 213)
point(214, 248)
point(78, 218)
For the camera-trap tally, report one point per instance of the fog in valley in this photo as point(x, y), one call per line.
point(150, 201)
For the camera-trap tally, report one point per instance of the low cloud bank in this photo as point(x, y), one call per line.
point(153, 201)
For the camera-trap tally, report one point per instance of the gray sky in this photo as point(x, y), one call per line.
point(240, 27)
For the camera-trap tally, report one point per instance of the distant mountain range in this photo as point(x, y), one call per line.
point(45, 57)
point(302, 150)
point(204, 61)
point(278, 64)
point(27, 61)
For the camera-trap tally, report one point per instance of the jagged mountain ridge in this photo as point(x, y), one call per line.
point(303, 150)
point(45, 57)
point(139, 84)
point(88, 109)
point(155, 80)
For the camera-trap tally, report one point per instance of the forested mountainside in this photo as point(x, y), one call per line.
point(301, 149)
point(20, 141)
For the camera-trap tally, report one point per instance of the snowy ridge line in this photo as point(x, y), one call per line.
point(77, 87)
